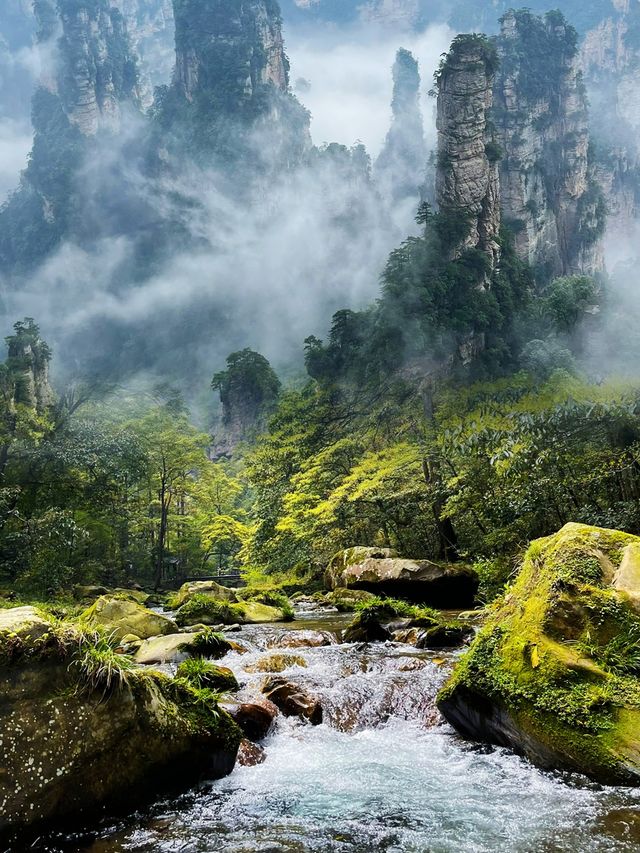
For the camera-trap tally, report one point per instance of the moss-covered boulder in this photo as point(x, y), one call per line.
point(172, 648)
point(82, 729)
point(555, 671)
point(379, 571)
point(378, 620)
point(209, 611)
point(210, 589)
point(203, 674)
point(346, 600)
point(121, 616)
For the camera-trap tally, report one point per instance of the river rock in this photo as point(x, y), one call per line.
point(209, 611)
point(554, 672)
point(171, 648)
point(254, 718)
point(23, 624)
point(365, 630)
point(276, 663)
point(301, 640)
point(292, 700)
point(122, 616)
point(69, 748)
point(209, 588)
point(379, 571)
point(250, 754)
point(346, 600)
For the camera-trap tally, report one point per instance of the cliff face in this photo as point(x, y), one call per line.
point(467, 178)
point(230, 96)
point(401, 165)
point(151, 28)
point(231, 47)
point(98, 69)
point(550, 195)
point(610, 60)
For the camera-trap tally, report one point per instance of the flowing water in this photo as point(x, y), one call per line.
point(382, 774)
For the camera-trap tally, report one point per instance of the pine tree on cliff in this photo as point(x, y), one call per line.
point(401, 165)
point(249, 389)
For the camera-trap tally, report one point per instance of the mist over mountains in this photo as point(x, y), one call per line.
point(156, 231)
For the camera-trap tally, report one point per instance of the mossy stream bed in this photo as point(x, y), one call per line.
point(382, 774)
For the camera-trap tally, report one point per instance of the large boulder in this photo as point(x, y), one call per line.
point(171, 648)
point(555, 671)
point(79, 736)
point(122, 616)
point(209, 588)
point(380, 571)
point(256, 719)
point(209, 611)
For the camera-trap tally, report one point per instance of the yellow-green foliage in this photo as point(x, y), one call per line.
point(560, 650)
point(504, 462)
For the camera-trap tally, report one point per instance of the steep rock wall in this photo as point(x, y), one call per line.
point(467, 178)
point(237, 45)
point(401, 165)
point(549, 193)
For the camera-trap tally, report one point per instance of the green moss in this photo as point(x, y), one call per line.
point(201, 608)
point(202, 674)
point(200, 708)
point(561, 649)
point(210, 644)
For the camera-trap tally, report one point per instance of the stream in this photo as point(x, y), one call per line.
point(382, 774)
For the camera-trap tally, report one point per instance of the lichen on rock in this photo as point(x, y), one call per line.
point(555, 672)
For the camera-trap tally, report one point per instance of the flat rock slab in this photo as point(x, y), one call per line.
point(25, 622)
point(172, 648)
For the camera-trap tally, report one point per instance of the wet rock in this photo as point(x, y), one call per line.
point(172, 648)
point(292, 699)
point(123, 617)
point(250, 754)
point(301, 640)
point(554, 671)
point(412, 665)
point(276, 663)
point(443, 637)
point(420, 581)
point(366, 630)
point(255, 719)
point(73, 744)
point(25, 624)
point(203, 674)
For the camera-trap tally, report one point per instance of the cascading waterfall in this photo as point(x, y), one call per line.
point(382, 774)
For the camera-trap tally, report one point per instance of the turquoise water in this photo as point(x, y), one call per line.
point(382, 775)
